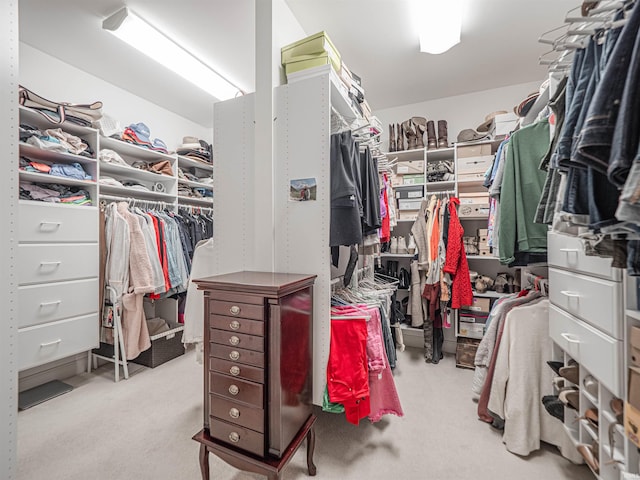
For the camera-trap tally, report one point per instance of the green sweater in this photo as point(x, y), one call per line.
point(522, 185)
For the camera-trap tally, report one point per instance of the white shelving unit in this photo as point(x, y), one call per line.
point(58, 251)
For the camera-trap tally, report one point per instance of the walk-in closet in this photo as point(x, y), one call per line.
point(285, 239)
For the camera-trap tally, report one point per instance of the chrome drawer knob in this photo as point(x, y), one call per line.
point(234, 355)
point(234, 340)
point(235, 325)
point(234, 390)
point(235, 371)
point(234, 413)
point(235, 310)
point(234, 437)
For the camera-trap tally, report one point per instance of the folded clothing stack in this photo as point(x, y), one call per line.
point(139, 134)
point(196, 149)
point(68, 170)
point(55, 140)
point(54, 193)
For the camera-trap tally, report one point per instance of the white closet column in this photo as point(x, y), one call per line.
point(8, 239)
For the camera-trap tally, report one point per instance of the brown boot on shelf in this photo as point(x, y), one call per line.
point(443, 141)
point(399, 138)
point(431, 135)
point(420, 124)
point(410, 133)
point(392, 138)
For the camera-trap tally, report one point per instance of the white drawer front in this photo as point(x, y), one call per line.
point(594, 300)
point(54, 301)
point(57, 223)
point(52, 341)
point(567, 252)
point(42, 263)
point(600, 354)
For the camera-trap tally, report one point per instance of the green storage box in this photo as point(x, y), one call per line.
point(312, 45)
point(303, 62)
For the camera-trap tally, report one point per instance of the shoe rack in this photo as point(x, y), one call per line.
point(587, 325)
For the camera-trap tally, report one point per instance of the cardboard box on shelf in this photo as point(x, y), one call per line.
point(484, 251)
point(482, 232)
point(305, 62)
point(473, 210)
point(474, 164)
point(470, 177)
point(471, 330)
point(480, 304)
point(465, 151)
point(481, 198)
point(409, 204)
point(466, 352)
point(312, 45)
point(413, 179)
point(410, 167)
point(411, 191)
point(503, 124)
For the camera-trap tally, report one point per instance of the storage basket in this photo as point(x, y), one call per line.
point(165, 346)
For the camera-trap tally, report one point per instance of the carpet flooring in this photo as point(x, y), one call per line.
point(141, 429)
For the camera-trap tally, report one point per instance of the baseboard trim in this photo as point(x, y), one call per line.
point(58, 370)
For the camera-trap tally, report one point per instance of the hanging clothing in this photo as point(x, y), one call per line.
point(522, 378)
point(456, 260)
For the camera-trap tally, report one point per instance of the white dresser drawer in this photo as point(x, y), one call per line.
point(57, 223)
point(567, 252)
point(52, 341)
point(597, 301)
point(54, 301)
point(42, 263)
point(600, 354)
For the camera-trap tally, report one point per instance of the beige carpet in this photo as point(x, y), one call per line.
point(141, 429)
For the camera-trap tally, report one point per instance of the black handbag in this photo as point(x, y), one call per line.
point(405, 279)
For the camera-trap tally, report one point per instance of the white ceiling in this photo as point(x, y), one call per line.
point(375, 37)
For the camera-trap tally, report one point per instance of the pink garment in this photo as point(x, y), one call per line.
point(383, 396)
point(134, 325)
point(376, 355)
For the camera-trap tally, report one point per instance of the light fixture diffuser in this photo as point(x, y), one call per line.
point(439, 23)
point(144, 37)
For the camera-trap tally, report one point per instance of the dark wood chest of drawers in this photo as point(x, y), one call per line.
point(258, 360)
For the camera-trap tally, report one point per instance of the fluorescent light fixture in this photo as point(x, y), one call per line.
point(135, 31)
point(439, 23)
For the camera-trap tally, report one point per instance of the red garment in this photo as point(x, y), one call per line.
point(385, 232)
point(347, 372)
point(456, 262)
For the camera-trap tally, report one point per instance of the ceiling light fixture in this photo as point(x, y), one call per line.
point(141, 35)
point(439, 24)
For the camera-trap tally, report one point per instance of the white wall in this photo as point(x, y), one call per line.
point(59, 81)
point(462, 111)
point(286, 30)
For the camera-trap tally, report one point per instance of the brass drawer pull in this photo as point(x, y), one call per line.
point(235, 371)
point(235, 310)
point(234, 355)
point(234, 437)
point(234, 340)
point(235, 325)
point(234, 413)
point(234, 390)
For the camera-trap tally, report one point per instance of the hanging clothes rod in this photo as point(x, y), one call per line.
point(134, 201)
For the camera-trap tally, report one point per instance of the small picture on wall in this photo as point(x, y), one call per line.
point(303, 190)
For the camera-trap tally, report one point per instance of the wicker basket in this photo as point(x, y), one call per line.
point(165, 346)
